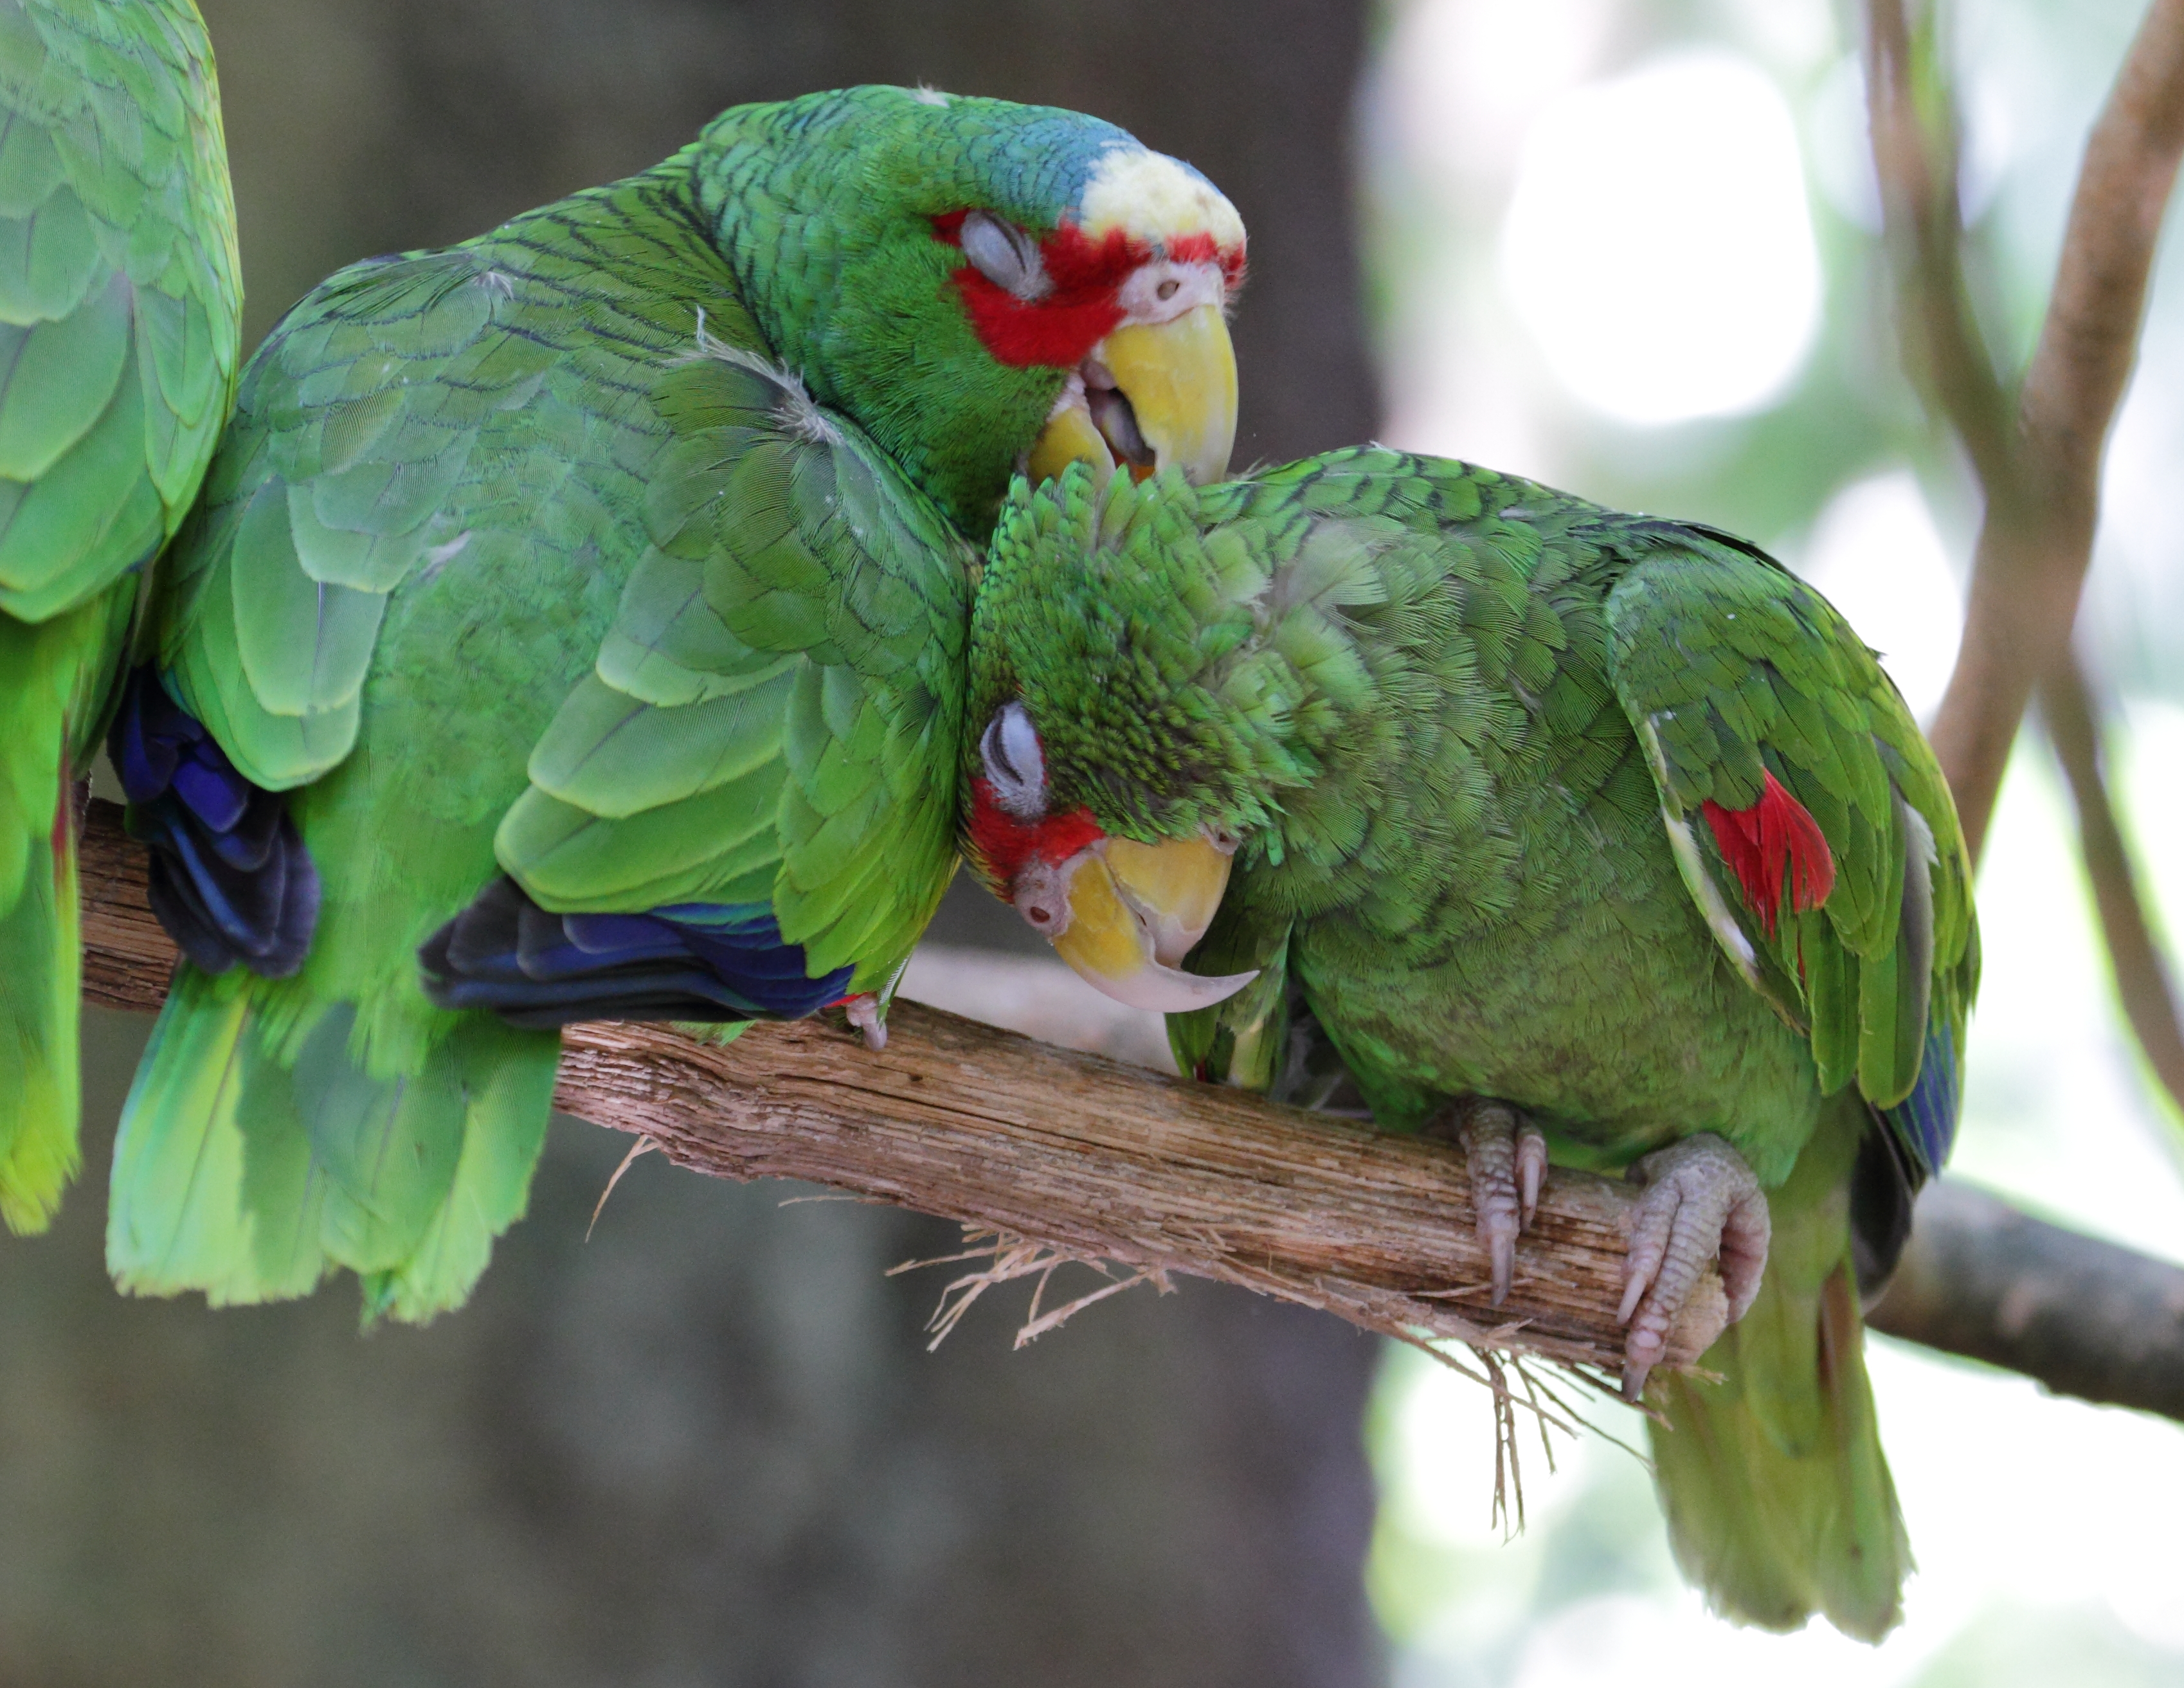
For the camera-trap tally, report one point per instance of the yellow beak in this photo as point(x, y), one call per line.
point(1133, 912)
point(1179, 380)
point(1068, 437)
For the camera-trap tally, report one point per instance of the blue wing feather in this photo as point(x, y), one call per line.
point(703, 961)
point(1925, 1121)
point(230, 879)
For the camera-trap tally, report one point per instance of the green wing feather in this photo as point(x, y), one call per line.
point(120, 308)
point(1731, 668)
point(774, 715)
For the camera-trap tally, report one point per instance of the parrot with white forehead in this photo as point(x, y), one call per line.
point(573, 627)
point(1577, 835)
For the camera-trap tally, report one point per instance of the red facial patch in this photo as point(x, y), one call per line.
point(1060, 331)
point(1001, 844)
point(1199, 248)
point(1775, 832)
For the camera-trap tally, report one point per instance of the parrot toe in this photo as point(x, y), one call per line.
point(1506, 1157)
point(868, 1017)
point(1702, 1203)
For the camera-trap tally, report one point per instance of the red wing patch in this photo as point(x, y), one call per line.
point(1759, 843)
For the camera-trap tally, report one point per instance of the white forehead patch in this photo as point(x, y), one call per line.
point(925, 94)
point(1151, 197)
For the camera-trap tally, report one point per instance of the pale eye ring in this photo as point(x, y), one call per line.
point(1014, 763)
point(1005, 255)
point(1167, 289)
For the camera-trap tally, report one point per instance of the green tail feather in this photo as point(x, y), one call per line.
point(39, 966)
point(248, 1166)
point(55, 679)
point(1778, 1496)
point(175, 1218)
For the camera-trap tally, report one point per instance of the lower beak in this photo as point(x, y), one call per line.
point(1134, 911)
point(1154, 395)
point(1070, 437)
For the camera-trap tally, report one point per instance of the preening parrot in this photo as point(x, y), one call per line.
point(573, 627)
point(120, 315)
point(1574, 834)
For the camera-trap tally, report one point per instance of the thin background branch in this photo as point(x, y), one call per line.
point(2037, 459)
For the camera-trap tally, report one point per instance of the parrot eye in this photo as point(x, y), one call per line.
point(1015, 766)
point(1005, 255)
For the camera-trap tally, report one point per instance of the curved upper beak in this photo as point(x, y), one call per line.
point(1151, 395)
point(1128, 915)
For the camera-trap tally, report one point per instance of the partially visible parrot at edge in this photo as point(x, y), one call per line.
point(1574, 835)
point(120, 319)
point(573, 626)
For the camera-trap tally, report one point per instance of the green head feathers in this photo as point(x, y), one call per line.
point(1136, 633)
point(843, 214)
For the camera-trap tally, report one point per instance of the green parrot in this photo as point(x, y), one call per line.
point(573, 627)
point(1566, 833)
point(121, 305)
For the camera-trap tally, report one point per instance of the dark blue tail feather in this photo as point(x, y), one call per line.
point(1926, 1119)
point(1904, 1146)
point(700, 962)
point(231, 880)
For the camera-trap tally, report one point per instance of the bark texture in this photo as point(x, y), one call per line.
point(2086, 1316)
point(1062, 1154)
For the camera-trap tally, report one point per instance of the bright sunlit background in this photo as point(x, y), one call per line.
point(1626, 247)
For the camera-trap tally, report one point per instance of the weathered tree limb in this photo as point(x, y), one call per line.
point(2087, 1317)
point(1094, 1160)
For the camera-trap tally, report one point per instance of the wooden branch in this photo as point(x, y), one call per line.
point(1100, 1161)
point(2085, 1317)
point(2039, 467)
point(1097, 1161)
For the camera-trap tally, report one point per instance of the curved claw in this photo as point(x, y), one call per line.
point(1506, 1157)
point(1702, 1203)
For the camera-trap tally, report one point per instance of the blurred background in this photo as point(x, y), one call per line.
point(1623, 245)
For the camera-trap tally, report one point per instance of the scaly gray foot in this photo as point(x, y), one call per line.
point(1506, 1157)
point(1702, 1203)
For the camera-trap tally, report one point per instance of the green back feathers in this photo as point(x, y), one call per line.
point(400, 421)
